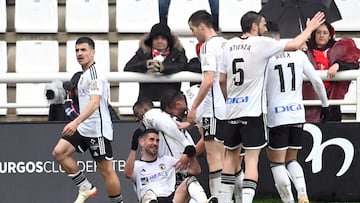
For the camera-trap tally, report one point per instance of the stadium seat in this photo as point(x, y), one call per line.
point(231, 11)
point(189, 44)
point(3, 69)
point(351, 94)
point(128, 91)
point(349, 10)
point(3, 17)
point(87, 16)
point(34, 57)
point(136, 16)
point(102, 56)
point(181, 10)
point(36, 16)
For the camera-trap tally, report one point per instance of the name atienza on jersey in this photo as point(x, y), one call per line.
point(49, 166)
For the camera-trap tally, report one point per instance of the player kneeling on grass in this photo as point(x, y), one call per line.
point(154, 176)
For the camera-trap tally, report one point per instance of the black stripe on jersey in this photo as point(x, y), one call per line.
point(203, 48)
point(93, 76)
point(166, 142)
point(93, 73)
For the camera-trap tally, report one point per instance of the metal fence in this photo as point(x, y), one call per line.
point(120, 77)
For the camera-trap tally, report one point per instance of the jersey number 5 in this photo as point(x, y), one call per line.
point(237, 71)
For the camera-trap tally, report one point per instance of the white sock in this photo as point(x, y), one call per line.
point(239, 177)
point(148, 196)
point(195, 190)
point(227, 188)
point(282, 182)
point(248, 195)
point(248, 191)
point(81, 181)
point(215, 182)
point(297, 177)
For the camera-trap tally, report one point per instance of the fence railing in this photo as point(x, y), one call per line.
point(185, 76)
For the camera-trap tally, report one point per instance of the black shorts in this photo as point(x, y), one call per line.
point(168, 199)
point(213, 128)
point(285, 137)
point(250, 131)
point(100, 147)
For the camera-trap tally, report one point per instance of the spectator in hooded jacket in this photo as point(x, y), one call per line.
point(160, 52)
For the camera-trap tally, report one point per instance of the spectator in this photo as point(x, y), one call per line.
point(163, 10)
point(160, 51)
point(327, 54)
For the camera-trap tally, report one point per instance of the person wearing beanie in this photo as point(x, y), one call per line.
point(160, 52)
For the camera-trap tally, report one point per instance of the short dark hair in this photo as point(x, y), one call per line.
point(248, 19)
point(150, 130)
point(273, 30)
point(169, 98)
point(86, 40)
point(141, 102)
point(201, 16)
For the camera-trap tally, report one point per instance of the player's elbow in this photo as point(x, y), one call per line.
point(128, 174)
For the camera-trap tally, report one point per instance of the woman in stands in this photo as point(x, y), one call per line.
point(326, 53)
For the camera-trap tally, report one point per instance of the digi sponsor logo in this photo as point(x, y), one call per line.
point(237, 100)
point(292, 107)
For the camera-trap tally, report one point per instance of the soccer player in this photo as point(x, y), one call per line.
point(177, 104)
point(154, 176)
point(173, 141)
point(245, 59)
point(91, 130)
point(209, 96)
point(286, 116)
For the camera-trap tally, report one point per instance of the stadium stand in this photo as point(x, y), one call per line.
point(73, 25)
point(3, 69)
point(349, 10)
point(351, 94)
point(128, 19)
point(3, 17)
point(128, 91)
point(102, 56)
point(35, 56)
point(231, 11)
point(87, 16)
point(180, 11)
point(189, 44)
point(36, 16)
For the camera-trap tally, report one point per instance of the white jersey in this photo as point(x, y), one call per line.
point(244, 64)
point(94, 82)
point(211, 57)
point(284, 88)
point(172, 140)
point(159, 176)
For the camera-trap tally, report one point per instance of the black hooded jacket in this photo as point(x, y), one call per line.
point(175, 62)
